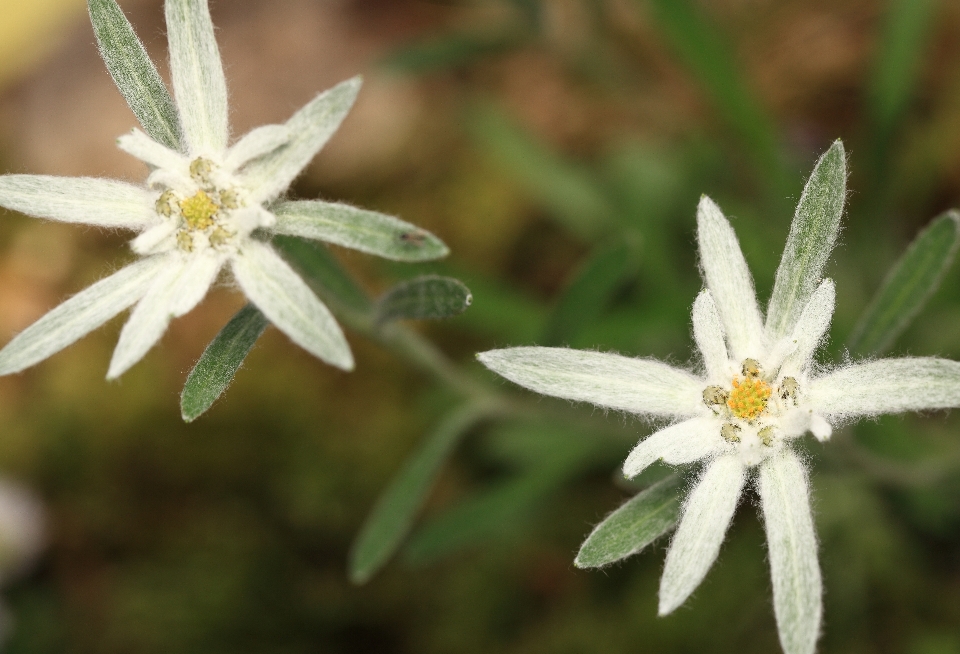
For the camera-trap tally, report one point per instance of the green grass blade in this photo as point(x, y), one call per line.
point(430, 297)
point(393, 516)
point(908, 286)
point(588, 294)
point(711, 60)
point(452, 51)
point(813, 233)
point(324, 273)
point(135, 75)
point(903, 42)
point(637, 523)
point(571, 193)
point(220, 361)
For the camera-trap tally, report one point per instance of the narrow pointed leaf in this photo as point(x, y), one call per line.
point(220, 361)
point(134, 74)
point(908, 286)
point(637, 523)
point(813, 233)
point(588, 294)
point(393, 516)
point(430, 297)
point(358, 229)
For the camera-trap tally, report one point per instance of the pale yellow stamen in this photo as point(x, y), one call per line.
point(748, 399)
point(198, 211)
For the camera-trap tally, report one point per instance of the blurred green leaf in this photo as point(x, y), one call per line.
point(568, 191)
point(324, 273)
point(359, 229)
point(395, 511)
point(134, 74)
point(637, 523)
point(905, 36)
point(908, 286)
point(711, 60)
point(220, 361)
point(430, 297)
point(452, 51)
point(588, 294)
point(812, 235)
point(507, 504)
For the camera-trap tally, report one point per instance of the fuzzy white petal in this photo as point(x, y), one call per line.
point(794, 570)
point(150, 152)
point(811, 327)
point(79, 315)
point(728, 278)
point(706, 515)
point(256, 143)
point(101, 202)
point(198, 81)
point(708, 333)
point(153, 237)
point(176, 290)
point(684, 442)
point(608, 380)
point(310, 129)
point(820, 428)
point(886, 386)
point(289, 303)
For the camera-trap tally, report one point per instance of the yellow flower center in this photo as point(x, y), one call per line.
point(198, 211)
point(748, 399)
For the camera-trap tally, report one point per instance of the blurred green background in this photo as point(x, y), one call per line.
point(559, 148)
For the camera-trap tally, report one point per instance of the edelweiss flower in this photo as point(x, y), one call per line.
point(759, 391)
point(204, 205)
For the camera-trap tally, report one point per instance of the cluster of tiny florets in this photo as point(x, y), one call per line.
point(204, 212)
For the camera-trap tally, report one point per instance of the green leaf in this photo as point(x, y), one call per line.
point(588, 294)
point(135, 75)
point(394, 513)
point(813, 233)
point(324, 273)
point(359, 229)
point(904, 39)
point(220, 362)
point(430, 297)
point(568, 191)
point(711, 60)
point(637, 523)
point(908, 286)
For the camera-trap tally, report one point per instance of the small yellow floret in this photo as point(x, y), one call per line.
point(199, 210)
point(748, 399)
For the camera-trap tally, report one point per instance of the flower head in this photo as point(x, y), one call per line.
point(206, 204)
point(757, 393)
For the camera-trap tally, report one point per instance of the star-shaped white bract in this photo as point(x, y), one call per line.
point(205, 204)
point(759, 391)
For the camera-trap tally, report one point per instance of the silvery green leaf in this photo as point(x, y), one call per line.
point(358, 229)
point(813, 233)
point(134, 74)
point(430, 297)
point(220, 361)
point(393, 516)
point(638, 522)
point(197, 72)
point(908, 286)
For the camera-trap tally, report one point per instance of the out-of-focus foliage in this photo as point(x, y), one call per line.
point(559, 149)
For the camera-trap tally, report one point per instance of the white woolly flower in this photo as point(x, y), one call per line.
point(758, 392)
point(205, 204)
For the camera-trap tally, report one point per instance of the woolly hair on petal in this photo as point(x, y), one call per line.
point(886, 386)
point(86, 200)
point(639, 386)
point(684, 442)
point(708, 333)
point(727, 276)
point(706, 515)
